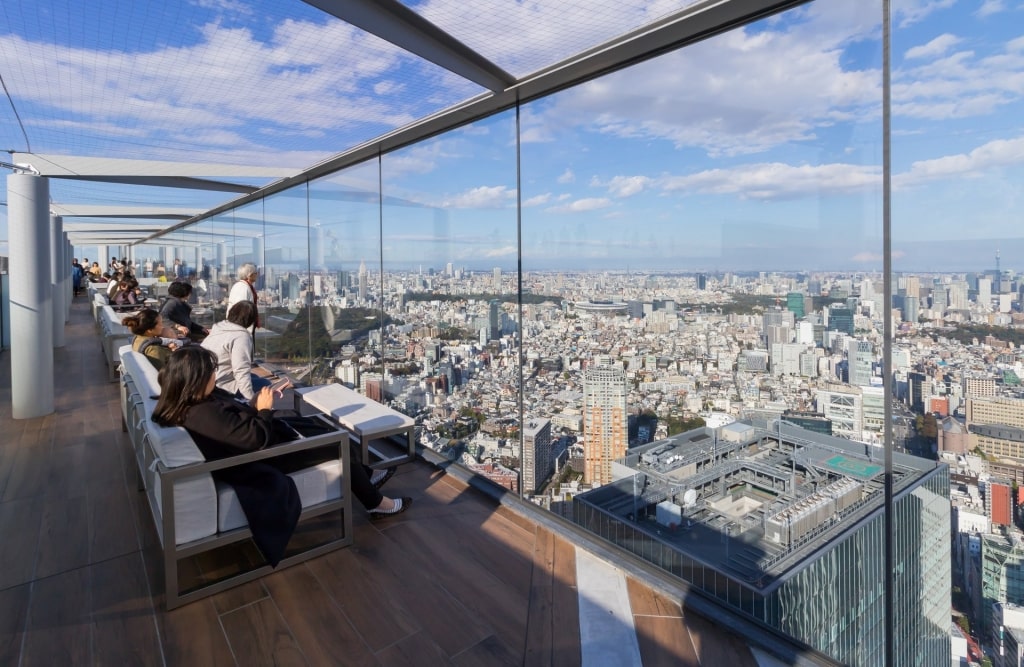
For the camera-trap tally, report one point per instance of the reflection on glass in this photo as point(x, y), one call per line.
point(449, 352)
point(284, 285)
point(344, 240)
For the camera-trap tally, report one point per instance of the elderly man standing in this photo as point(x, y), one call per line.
point(245, 290)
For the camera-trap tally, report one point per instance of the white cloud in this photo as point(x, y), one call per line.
point(990, 7)
point(936, 47)
point(994, 154)
point(482, 197)
point(566, 177)
point(582, 205)
point(506, 251)
point(627, 186)
point(774, 180)
point(537, 200)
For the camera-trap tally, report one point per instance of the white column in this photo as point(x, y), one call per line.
point(257, 251)
point(57, 278)
point(104, 257)
point(28, 218)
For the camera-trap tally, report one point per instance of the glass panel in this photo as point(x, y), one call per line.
point(344, 234)
point(286, 295)
point(449, 301)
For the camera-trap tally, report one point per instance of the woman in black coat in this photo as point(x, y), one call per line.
point(222, 426)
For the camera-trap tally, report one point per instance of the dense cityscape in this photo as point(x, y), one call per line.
point(612, 361)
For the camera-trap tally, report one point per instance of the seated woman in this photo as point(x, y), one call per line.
point(151, 337)
point(126, 296)
point(177, 310)
point(231, 341)
point(221, 427)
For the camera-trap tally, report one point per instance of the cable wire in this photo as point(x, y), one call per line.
point(10, 99)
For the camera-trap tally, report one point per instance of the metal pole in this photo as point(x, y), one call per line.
point(890, 538)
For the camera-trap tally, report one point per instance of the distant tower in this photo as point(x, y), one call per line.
point(497, 280)
point(604, 421)
point(362, 280)
point(999, 274)
point(536, 463)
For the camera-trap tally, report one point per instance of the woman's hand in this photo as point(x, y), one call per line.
point(265, 399)
point(182, 329)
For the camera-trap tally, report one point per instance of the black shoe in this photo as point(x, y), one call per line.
point(401, 504)
point(381, 477)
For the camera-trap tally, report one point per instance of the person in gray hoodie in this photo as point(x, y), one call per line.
point(231, 341)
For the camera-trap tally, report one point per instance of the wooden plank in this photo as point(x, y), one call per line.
point(63, 536)
point(13, 615)
point(112, 528)
point(19, 525)
point(124, 627)
point(323, 631)
point(367, 593)
point(665, 640)
point(439, 612)
point(258, 635)
point(715, 646)
point(491, 651)
point(191, 635)
point(418, 650)
point(59, 629)
point(68, 476)
point(565, 616)
point(30, 467)
point(539, 631)
point(646, 602)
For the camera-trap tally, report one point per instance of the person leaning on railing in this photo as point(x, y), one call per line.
point(177, 309)
point(223, 426)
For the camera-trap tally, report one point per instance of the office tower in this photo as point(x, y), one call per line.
point(860, 363)
point(536, 462)
point(912, 286)
point(363, 280)
point(985, 293)
point(814, 287)
point(449, 269)
point(605, 422)
point(493, 319)
point(840, 318)
point(1002, 574)
point(702, 281)
point(844, 407)
point(958, 292)
point(722, 509)
point(910, 310)
point(939, 297)
point(917, 385)
point(872, 401)
point(795, 304)
point(497, 280)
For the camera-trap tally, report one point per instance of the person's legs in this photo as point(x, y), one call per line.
point(362, 488)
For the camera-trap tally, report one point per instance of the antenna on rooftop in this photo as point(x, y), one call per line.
point(999, 274)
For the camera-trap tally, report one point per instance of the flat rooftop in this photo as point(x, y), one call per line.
point(743, 501)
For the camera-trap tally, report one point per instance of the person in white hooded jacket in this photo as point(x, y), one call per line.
point(231, 341)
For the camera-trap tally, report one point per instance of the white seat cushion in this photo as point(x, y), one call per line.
point(317, 484)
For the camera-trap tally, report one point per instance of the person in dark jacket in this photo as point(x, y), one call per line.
point(222, 426)
point(177, 310)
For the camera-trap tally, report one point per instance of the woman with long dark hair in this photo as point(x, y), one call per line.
point(222, 426)
point(151, 336)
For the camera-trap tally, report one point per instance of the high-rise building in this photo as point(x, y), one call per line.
point(985, 293)
point(916, 387)
point(795, 304)
point(496, 286)
point(702, 281)
point(911, 309)
point(722, 509)
point(861, 359)
point(363, 280)
point(844, 407)
point(494, 319)
point(536, 464)
point(940, 300)
point(840, 318)
point(605, 422)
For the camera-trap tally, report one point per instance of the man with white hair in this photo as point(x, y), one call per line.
point(245, 290)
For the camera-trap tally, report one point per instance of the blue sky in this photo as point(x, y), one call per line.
point(759, 148)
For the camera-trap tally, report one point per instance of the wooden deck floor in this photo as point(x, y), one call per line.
point(455, 581)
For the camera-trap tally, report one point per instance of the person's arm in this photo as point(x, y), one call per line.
point(235, 427)
point(241, 366)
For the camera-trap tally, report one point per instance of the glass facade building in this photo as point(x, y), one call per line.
point(831, 598)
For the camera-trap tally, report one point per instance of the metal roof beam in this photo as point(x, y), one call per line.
point(394, 22)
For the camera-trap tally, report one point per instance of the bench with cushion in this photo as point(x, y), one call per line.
point(192, 512)
point(113, 335)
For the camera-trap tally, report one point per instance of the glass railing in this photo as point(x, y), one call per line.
point(707, 227)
